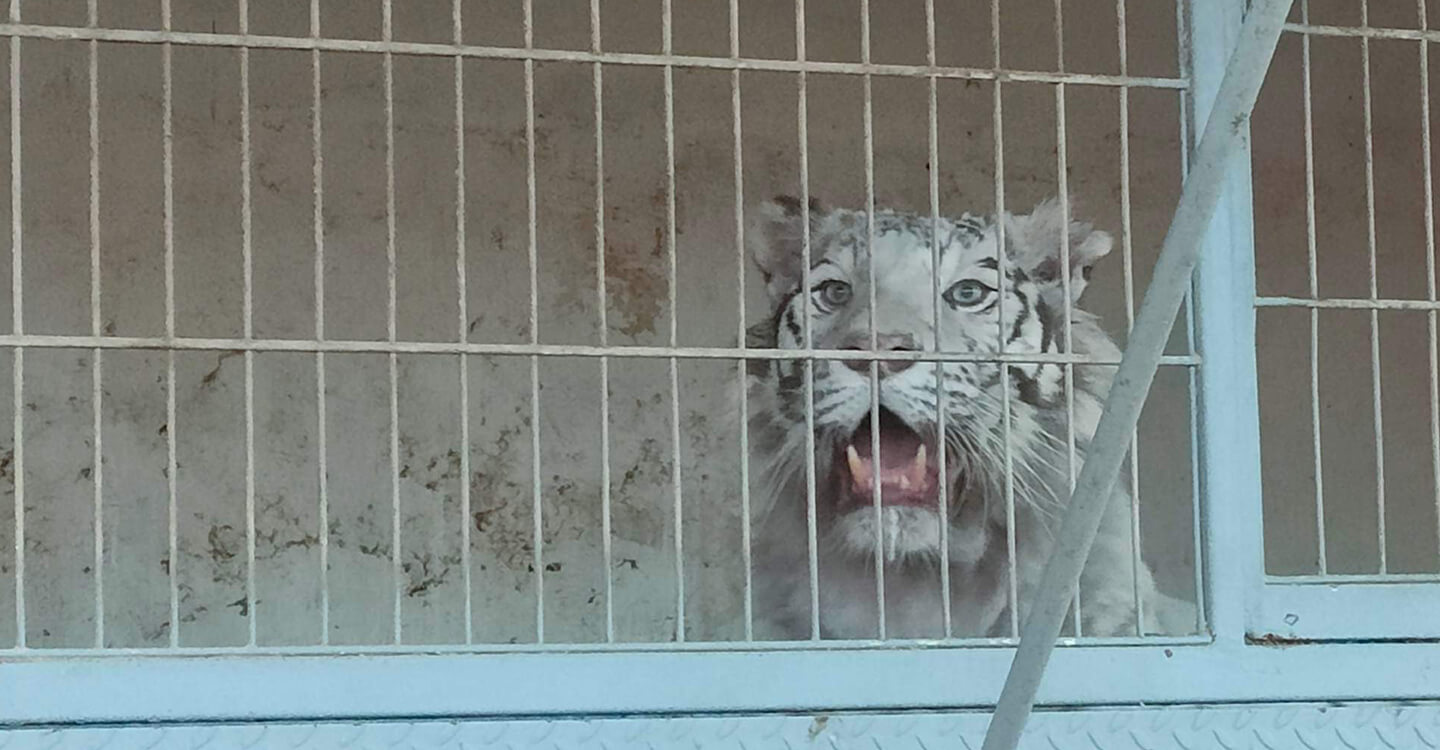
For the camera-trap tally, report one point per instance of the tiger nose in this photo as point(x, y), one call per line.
point(885, 342)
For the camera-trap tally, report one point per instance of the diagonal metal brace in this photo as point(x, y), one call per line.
point(1226, 129)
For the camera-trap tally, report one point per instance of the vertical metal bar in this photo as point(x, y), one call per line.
point(463, 319)
point(17, 320)
point(538, 556)
point(97, 368)
point(248, 303)
point(802, 125)
point(1062, 165)
point(1377, 401)
point(1224, 289)
point(1007, 426)
point(1185, 47)
point(1425, 155)
point(676, 471)
point(998, 125)
point(171, 464)
point(317, 147)
point(1224, 134)
point(602, 302)
point(1312, 266)
point(739, 177)
point(1184, 52)
point(1071, 461)
point(941, 444)
point(1128, 256)
point(869, 148)
point(1197, 540)
point(396, 569)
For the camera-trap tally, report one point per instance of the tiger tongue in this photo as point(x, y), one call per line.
point(905, 474)
point(898, 448)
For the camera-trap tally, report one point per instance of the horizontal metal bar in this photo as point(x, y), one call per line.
point(1394, 611)
point(88, 691)
point(1348, 303)
point(42, 654)
point(1367, 32)
point(254, 41)
point(311, 346)
point(1350, 579)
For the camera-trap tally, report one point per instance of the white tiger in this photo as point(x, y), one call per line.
point(972, 287)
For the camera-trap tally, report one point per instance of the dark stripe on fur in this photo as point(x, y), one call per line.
point(793, 325)
point(760, 336)
point(1025, 387)
point(1020, 321)
point(1047, 333)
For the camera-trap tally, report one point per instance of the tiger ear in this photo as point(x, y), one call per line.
point(1036, 244)
point(776, 241)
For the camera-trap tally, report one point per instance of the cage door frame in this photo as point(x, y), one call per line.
point(1283, 610)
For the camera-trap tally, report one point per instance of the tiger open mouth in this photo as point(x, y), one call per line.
point(906, 469)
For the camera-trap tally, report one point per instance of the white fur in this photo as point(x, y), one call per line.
point(979, 525)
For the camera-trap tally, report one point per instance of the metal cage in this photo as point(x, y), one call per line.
point(1258, 638)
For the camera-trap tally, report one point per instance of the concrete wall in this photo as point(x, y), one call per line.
point(209, 429)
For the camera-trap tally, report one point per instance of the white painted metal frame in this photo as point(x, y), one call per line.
point(83, 686)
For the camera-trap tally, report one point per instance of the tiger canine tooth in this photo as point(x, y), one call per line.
point(915, 472)
point(857, 468)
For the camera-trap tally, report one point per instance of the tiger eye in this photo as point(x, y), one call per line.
point(967, 293)
point(832, 294)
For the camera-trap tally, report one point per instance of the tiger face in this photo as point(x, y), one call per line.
point(989, 298)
